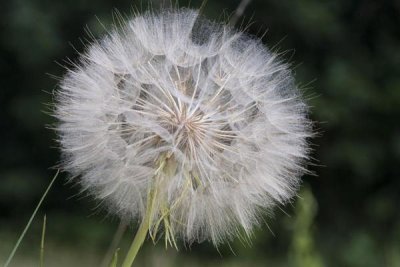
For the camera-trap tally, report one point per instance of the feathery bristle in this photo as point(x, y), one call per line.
point(203, 116)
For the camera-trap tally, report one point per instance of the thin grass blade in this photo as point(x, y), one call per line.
point(30, 220)
point(42, 242)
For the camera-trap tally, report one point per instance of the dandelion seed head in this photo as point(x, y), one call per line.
point(203, 116)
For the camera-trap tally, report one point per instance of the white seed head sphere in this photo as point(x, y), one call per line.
point(197, 122)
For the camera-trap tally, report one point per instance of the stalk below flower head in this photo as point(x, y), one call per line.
point(184, 124)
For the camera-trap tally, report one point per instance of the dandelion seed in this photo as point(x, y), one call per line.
point(186, 124)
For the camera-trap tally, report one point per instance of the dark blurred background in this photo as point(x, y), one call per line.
point(346, 55)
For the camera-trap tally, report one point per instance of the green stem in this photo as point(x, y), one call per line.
point(142, 231)
point(137, 241)
point(144, 227)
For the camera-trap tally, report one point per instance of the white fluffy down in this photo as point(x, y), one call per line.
point(216, 101)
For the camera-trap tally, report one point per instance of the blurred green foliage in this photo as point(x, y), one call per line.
point(303, 250)
point(347, 61)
